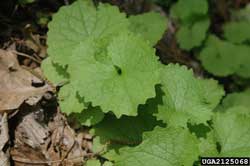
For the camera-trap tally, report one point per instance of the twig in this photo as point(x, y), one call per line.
point(70, 149)
point(41, 77)
point(26, 55)
point(67, 153)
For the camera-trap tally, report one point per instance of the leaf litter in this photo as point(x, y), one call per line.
point(16, 83)
point(39, 134)
point(42, 135)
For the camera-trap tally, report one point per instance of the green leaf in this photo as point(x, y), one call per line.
point(69, 100)
point(98, 146)
point(107, 163)
point(80, 21)
point(190, 36)
point(150, 25)
point(219, 57)
point(54, 73)
point(89, 116)
point(194, 22)
point(237, 99)
point(211, 91)
point(93, 162)
point(232, 29)
point(208, 147)
point(186, 10)
point(232, 131)
point(120, 85)
point(93, 53)
point(187, 99)
point(161, 147)
point(112, 134)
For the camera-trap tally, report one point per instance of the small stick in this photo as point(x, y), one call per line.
point(41, 77)
point(26, 55)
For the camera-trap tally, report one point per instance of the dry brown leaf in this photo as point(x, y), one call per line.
point(4, 138)
point(35, 146)
point(27, 156)
point(16, 83)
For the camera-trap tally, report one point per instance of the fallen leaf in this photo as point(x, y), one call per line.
point(4, 138)
point(45, 143)
point(16, 83)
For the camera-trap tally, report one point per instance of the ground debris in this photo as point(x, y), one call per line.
point(4, 139)
point(47, 142)
point(16, 83)
point(39, 133)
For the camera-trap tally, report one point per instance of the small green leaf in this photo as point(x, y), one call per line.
point(193, 22)
point(93, 162)
point(186, 10)
point(107, 163)
point(190, 36)
point(232, 29)
point(98, 146)
point(236, 99)
point(223, 58)
point(150, 25)
point(186, 98)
